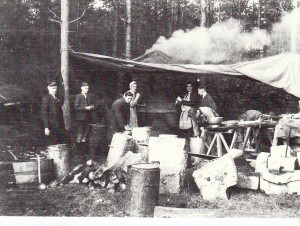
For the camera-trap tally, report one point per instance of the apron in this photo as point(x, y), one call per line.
point(133, 115)
point(185, 121)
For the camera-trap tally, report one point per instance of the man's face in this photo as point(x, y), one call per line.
point(134, 87)
point(128, 99)
point(200, 92)
point(189, 87)
point(52, 90)
point(85, 89)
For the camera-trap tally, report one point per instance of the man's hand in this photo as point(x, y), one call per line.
point(47, 132)
point(89, 107)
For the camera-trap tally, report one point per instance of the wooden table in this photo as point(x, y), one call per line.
point(219, 140)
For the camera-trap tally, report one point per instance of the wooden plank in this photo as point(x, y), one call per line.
point(171, 212)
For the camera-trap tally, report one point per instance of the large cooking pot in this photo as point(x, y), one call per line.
point(215, 120)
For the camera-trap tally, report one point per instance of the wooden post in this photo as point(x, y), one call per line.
point(65, 60)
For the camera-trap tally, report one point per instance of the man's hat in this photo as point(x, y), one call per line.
point(201, 86)
point(83, 84)
point(52, 83)
point(132, 83)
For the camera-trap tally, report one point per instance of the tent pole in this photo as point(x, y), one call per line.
point(65, 60)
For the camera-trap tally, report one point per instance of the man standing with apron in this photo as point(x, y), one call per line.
point(190, 100)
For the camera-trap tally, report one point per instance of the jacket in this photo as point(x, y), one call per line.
point(51, 112)
point(208, 101)
point(193, 102)
point(80, 103)
point(120, 114)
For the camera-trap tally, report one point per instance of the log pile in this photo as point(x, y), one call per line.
point(94, 176)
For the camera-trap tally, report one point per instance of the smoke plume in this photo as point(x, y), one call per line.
point(226, 42)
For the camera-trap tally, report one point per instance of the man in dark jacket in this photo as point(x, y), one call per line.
point(206, 100)
point(52, 116)
point(121, 113)
point(83, 108)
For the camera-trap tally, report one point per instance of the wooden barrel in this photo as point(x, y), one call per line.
point(142, 190)
point(7, 176)
point(98, 138)
point(60, 155)
point(167, 136)
point(27, 171)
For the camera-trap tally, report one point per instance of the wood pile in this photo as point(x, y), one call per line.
point(94, 175)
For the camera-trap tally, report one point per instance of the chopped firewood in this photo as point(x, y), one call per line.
point(129, 158)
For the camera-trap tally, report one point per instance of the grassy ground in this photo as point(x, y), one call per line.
point(79, 200)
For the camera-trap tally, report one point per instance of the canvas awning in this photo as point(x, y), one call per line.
point(12, 94)
point(281, 71)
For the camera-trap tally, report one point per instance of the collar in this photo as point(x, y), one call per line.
point(204, 94)
point(53, 96)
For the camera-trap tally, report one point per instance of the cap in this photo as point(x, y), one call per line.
point(201, 86)
point(84, 84)
point(52, 83)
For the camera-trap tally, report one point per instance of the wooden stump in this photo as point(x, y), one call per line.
point(216, 177)
point(142, 190)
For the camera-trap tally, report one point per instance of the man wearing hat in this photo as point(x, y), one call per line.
point(52, 116)
point(83, 108)
point(133, 122)
point(206, 99)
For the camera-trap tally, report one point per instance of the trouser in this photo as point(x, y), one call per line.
point(83, 128)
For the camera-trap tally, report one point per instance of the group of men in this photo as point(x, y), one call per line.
point(124, 115)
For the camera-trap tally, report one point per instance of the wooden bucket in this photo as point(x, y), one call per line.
point(60, 155)
point(196, 144)
point(7, 176)
point(142, 190)
point(27, 171)
point(98, 136)
point(141, 134)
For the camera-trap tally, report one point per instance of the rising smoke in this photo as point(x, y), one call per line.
point(226, 41)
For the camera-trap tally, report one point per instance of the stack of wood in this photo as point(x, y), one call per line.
point(94, 175)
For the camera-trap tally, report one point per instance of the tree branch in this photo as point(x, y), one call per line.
point(56, 21)
point(280, 7)
point(79, 17)
point(55, 16)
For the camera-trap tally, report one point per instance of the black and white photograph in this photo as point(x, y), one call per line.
point(135, 111)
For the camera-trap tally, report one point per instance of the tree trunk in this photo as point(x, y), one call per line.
point(294, 28)
point(259, 14)
point(116, 30)
point(65, 60)
point(203, 13)
point(128, 30)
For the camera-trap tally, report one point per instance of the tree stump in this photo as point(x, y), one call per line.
point(216, 177)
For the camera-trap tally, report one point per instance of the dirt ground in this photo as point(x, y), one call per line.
point(24, 133)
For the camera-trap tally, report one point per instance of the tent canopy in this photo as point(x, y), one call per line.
point(12, 94)
point(281, 71)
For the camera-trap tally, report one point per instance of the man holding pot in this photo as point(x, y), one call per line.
point(189, 101)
